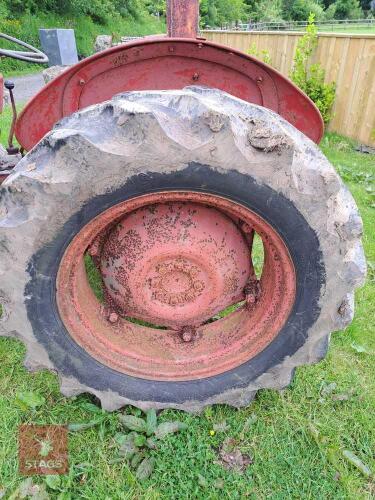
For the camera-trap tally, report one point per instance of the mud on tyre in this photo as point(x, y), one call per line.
point(164, 192)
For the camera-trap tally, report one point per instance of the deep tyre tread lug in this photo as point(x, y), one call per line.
point(96, 151)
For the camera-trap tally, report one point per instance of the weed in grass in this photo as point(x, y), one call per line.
point(143, 436)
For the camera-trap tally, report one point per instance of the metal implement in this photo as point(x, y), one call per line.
point(197, 247)
point(181, 298)
point(182, 18)
point(33, 55)
point(11, 149)
point(174, 264)
point(10, 157)
point(162, 63)
point(171, 263)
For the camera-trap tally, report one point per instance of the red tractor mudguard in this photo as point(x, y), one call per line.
point(163, 63)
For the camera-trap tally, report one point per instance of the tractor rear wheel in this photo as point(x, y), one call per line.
point(176, 249)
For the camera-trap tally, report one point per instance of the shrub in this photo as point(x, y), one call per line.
point(348, 9)
point(263, 55)
point(310, 77)
point(300, 9)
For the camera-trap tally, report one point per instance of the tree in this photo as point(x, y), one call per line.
point(330, 12)
point(299, 10)
point(208, 13)
point(268, 10)
point(230, 10)
point(348, 9)
point(98, 10)
point(218, 12)
point(129, 8)
point(211, 13)
point(366, 4)
point(156, 7)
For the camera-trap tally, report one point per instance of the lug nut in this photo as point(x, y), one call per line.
point(93, 250)
point(188, 333)
point(252, 292)
point(113, 317)
point(251, 299)
point(198, 285)
point(246, 228)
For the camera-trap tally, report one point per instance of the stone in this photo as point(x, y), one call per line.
point(102, 42)
point(59, 45)
point(51, 73)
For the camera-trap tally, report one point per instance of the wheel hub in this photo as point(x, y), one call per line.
point(175, 258)
point(176, 282)
point(175, 264)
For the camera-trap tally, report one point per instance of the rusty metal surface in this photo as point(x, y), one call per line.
point(11, 148)
point(32, 55)
point(162, 64)
point(175, 264)
point(182, 18)
point(194, 351)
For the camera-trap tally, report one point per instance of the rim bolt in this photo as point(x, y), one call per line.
point(198, 286)
point(251, 298)
point(93, 250)
point(173, 301)
point(113, 317)
point(252, 292)
point(188, 333)
point(246, 228)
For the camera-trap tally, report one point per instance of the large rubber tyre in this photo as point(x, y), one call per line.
point(195, 139)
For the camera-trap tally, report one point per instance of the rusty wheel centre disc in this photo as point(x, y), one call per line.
point(175, 264)
point(175, 259)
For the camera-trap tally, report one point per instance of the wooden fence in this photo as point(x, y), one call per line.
point(349, 60)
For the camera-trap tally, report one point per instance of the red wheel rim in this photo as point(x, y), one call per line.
point(175, 259)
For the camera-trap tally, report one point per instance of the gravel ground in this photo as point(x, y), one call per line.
point(26, 87)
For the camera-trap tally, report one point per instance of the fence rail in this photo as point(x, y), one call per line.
point(349, 60)
point(298, 25)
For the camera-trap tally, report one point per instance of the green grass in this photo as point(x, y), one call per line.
point(94, 278)
point(5, 121)
point(346, 29)
point(278, 430)
point(339, 28)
